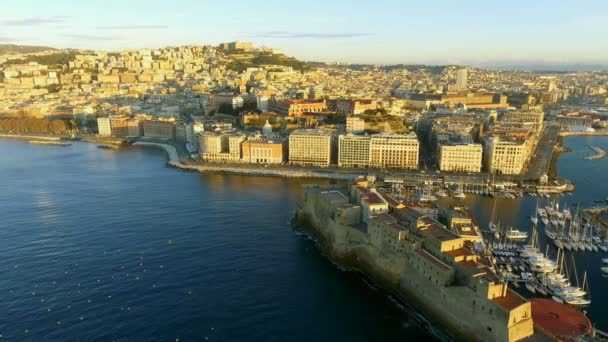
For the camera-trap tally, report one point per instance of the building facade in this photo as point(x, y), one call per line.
point(353, 150)
point(103, 127)
point(460, 157)
point(394, 151)
point(159, 129)
point(355, 125)
point(310, 147)
point(263, 151)
point(221, 146)
point(505, 156)
point(297, 108)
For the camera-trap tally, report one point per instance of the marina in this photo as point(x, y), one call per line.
point(550, 247)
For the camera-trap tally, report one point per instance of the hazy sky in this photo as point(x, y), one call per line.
point(379, 31)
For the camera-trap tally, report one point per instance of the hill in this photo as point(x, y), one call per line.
point(12, 48)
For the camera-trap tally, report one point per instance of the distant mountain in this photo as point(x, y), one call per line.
point(11, 48)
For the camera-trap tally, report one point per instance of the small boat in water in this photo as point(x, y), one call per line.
point(516, 234)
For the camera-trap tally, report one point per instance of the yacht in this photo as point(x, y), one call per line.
point(459, 194)
point(515, 234)
point(441, 193)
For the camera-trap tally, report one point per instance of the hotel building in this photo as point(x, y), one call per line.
point(394, 151)
point(310, 147)
point(460, 157)
point(353, 150)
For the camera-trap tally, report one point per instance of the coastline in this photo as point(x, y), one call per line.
point(352, 262)
point(29, 137)
point(601, 133)
point(175, 161)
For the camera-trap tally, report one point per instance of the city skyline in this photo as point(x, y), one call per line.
point(475, 33)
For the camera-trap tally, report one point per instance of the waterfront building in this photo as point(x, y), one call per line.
point(460, 157)
point(261, 150)
point(119, 126)
point(135, 128)
point(353, 150)
point(310, 147)
point(389, 150)
point(221, 146)
point(355, 125)
point(103, 127)
point(505, 155)
point(184, 132)
point(156, 129)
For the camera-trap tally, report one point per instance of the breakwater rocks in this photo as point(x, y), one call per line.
point(49, 142)
point(599, 153)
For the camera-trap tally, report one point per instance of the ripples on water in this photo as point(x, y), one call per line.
point(106, 245)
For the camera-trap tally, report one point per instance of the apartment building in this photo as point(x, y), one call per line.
point(353, 150)
point(155, 129)
point(394, 151)
point(355, 125)
point(506, 155)
point(310, 147)
point(221, 146)
point(460, 157)
point(103, 127)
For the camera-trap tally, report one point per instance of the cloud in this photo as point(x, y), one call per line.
point(134, 27)
point(89, 37)
point(293, 35)
point(7, 39)
point(34, 21)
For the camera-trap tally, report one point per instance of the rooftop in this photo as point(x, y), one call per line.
point(510, 301)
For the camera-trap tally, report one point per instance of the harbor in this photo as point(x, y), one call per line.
point(552, 247)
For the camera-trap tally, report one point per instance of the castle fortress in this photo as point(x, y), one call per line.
point(417, 258)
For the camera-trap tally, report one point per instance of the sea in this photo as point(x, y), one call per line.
point(105, 245)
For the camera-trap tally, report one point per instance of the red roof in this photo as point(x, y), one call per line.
point(559, 320)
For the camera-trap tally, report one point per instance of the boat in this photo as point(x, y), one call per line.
point(540, 289)
point(459, 194)
point(577, 301)
point(566, 245)
point(545, 220)
point(557, 299)
point(441, 193)
point(534, 220)
point(516, 234)
point(604, 269)
point(530, 287)
point(558, 243)
point(605, 260)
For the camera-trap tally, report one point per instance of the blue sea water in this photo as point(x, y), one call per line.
point(102, 245)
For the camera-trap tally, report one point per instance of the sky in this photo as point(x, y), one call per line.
point(467, 32)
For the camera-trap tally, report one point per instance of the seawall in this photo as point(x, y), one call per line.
point(246, 169)
point(597, 133)
point(350, 249)
point(29, 137)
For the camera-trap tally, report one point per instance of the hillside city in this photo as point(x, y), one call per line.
point(236, 103)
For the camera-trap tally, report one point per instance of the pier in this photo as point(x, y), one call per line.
point(599, 153)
